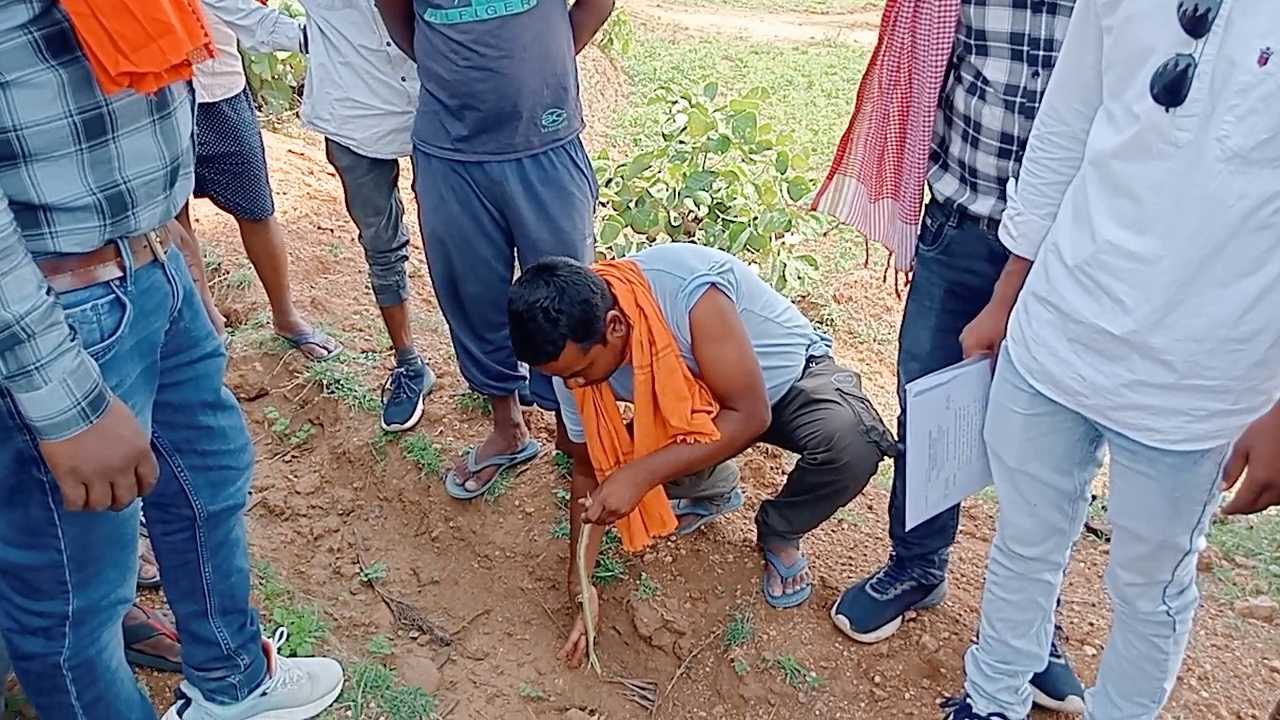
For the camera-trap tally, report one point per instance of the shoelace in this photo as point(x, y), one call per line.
point(287, 675)
point(400, 385)
point(890, 581)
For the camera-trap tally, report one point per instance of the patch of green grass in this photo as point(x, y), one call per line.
point(472, 402)
point(335, 249)
point(813, 86)
point(741, 667)
point(342, 378)
point(1251, 541)
point(212, 260)
point(378, 445)
point(305, 625)
point(646, 588)
point(378, 646)
point(739, 630)
point(884, 476)
point(559, 528)
point(796, 674)
point(562, 497)
point(373, 692)
point(529, 692)
point(282, 428)
point(425, 453)
point(242, 278)
point(610, 567)
point(377, 572)
point(563, 463)
point(848, 517)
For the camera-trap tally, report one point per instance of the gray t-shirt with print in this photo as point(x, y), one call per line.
point(499, 78)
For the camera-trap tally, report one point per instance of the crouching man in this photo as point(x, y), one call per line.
point(713, 360)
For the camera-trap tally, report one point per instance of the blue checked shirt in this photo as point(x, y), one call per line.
point(77, 170)
point(1000, 64)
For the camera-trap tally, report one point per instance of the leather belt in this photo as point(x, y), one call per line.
point(74, 272)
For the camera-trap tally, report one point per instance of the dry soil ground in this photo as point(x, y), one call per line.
point(687, 615)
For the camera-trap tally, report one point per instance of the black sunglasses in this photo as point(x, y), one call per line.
point(1171, 82)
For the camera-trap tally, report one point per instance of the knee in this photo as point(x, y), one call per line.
point(844, 445)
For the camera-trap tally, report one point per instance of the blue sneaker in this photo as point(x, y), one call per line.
point(872, 610)
point(402, 396)
point(958, 708)
point(1057, 687)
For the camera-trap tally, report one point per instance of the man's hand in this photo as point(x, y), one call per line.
point(615, 498)
point(1258, 451)
point(575, 648)
point(108, 465)
point(985, 333)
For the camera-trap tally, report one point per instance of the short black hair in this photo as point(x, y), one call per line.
point(555, 301)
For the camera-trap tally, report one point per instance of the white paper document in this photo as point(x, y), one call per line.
point(946, 456)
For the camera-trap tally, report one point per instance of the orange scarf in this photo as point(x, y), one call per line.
point(670, 404)
point(140, 45)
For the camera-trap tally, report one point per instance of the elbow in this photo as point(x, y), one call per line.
point(757, 421)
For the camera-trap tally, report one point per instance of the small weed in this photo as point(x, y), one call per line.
point(212, 260)
point(739, 631)
point(377, 572)
point(305, 626)
point(1252, 542)
point(335, 249)
point(340, 378)
point(609, 569)
point(500, 485)
point(741, 667)
point(562, 497)
point(529, 692)
point(282, 428)
point(379, 646)
point(849, 517)
point(267, 583)
point(884, 475)
point(795, 674)
point(254, 323)
point(378, 445)
point(424, 453)
point(473, 402)
point(646, 588)
point(241, 279)
point(560, 528)
point(373, 692)
point(563, 463)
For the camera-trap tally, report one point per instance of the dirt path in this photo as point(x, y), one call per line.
point(858, 28)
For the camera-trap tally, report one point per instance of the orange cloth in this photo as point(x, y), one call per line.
point(140, 45)
point(670, 404)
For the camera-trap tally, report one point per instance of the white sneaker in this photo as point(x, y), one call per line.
point(296, 689)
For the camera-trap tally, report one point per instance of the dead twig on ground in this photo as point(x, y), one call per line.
point(653, 712)
point(407, 617)
point(467, 622)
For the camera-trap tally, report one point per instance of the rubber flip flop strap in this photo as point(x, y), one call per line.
point(526, 453)
point(786, 572)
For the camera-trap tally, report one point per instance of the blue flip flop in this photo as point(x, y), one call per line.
point(786, 572)
point(704, 510)
point(458, 491)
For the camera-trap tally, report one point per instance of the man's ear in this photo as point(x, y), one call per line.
point(615, 325)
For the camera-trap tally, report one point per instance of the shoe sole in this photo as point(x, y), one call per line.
point(884, 632)
point(410, 424)
point(306, 712)
point(1072, 705)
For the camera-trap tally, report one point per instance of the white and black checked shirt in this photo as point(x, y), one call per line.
point(77, 170)
point(1000, 65)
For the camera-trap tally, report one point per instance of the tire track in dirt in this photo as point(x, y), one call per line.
point(860, 28)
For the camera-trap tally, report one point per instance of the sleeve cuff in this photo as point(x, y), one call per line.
point(76, 399)
point(1021, 232)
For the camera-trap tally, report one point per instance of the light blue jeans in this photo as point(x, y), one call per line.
point(67, 578)
point(1044, 457)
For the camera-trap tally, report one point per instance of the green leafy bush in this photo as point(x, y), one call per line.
point(720, 176)
point(275, 79)
point(618, 35)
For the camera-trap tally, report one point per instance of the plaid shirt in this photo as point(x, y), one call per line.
point(77, 170)
point(1000, 65)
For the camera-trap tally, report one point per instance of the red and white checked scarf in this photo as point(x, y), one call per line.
point(876, 182)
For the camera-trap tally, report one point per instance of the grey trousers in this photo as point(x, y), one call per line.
point(370, 187)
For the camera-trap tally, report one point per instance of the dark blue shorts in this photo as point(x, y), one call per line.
point(231, 163)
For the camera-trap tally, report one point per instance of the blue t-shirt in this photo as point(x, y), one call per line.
point(678, 275)
point(499, 78)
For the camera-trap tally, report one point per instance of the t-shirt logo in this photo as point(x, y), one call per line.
point(464, 11)
point(554, 119)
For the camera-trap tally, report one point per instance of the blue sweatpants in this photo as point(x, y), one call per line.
point(478, 219)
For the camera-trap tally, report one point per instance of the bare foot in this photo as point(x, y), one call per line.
point(306, 338)
point(509, 435)
point(777, 585)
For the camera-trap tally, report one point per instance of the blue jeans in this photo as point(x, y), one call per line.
point(67, 578)
point(958, 259)
point(1044, 457)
